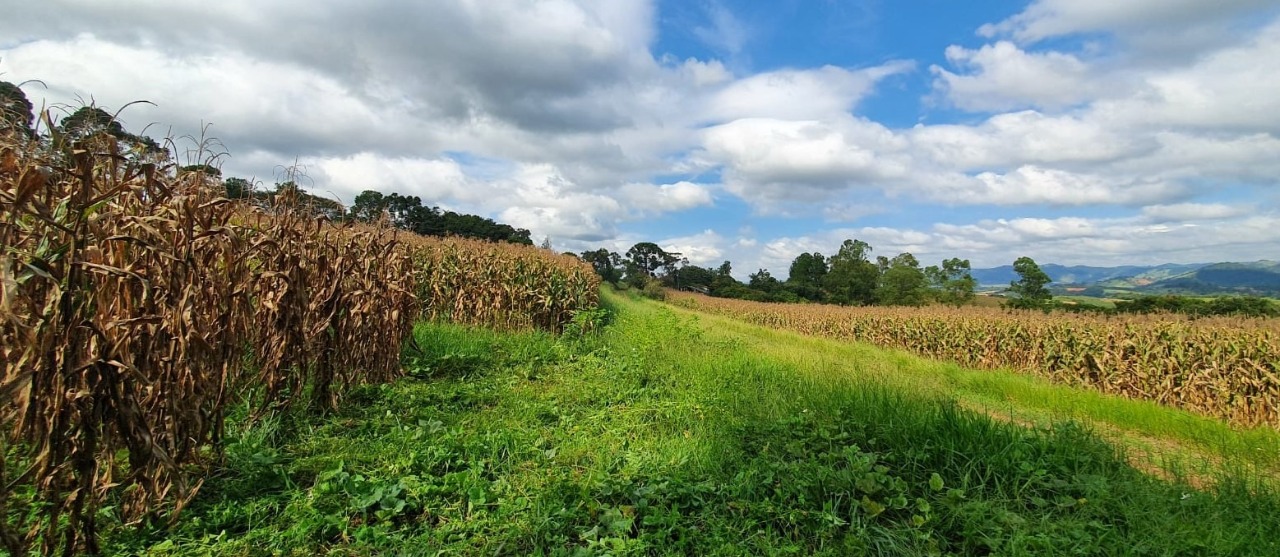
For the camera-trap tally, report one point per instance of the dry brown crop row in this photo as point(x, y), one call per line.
point(1221, 367)
point(502, 285)
point(136, 303)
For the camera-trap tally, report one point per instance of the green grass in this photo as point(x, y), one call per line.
point(672, 434)
point(1015, 396)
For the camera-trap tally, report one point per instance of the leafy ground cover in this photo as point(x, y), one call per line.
point(667, 432)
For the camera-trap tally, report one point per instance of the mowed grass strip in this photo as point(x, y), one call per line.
point(1221, 367)
point(1203, 445)
point(665, 436)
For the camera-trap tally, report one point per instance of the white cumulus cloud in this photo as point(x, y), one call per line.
point(1004, 77)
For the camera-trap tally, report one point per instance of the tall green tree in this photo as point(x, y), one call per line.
point(89, 120)
point(725, 269)
point(692, 276)
point(404, 211)
point(808, 269)
point(238, 188)
point(368, 206)
point(953, 283)
point(851, 276)
point(607, 264)
point(806, 275)
point(903, 283)
point(15, 110)
point(763, 281)
point(724, 280)
point(1029, 290)
point(648, 257)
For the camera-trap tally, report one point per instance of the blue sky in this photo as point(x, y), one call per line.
point(1073, 131)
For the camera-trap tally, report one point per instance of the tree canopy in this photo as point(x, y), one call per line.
point(806, 276)
point(648, 258)
point(1029, 290)
point(902, 283)
point(88, 121)
point(409, 213)
point(607, 264)
point(237, 188)
point(15, 109)
point(952, 284)
point(852, 278)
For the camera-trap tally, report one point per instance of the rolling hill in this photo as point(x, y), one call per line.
point(1253, 278)
point(1085, 275)
point(1260, 277)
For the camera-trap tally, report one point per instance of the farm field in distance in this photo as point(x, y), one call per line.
point(1223, 367)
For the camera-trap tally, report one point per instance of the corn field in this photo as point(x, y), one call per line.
point(506, 286)
point(137, 304)
point(1222, 367)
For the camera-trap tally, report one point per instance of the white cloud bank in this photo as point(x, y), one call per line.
point(557, 116)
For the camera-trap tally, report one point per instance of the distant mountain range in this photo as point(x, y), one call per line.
point(1256, 278)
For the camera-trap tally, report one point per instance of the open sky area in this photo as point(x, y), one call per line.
point(1096, 132)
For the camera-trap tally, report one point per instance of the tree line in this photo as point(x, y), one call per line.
point(1236, 306)
point(852, 277)
point(401, 211)
point(409, 213)
point(849, 277)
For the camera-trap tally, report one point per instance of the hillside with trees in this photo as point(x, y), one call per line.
point(1258, 278)
point(850, 277)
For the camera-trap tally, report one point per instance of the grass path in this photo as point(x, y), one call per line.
point(675, 434)
point(1164, 441)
